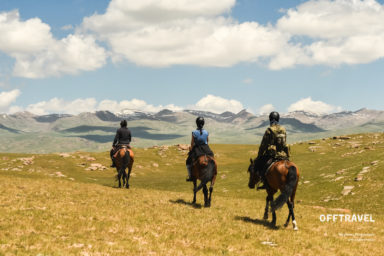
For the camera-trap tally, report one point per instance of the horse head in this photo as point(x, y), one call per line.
point(254, 177)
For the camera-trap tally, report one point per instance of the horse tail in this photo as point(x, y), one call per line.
point(208, 172)
point(126, 159)
point(287, 190)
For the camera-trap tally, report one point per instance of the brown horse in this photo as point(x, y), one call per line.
point(284, 176)
point(124, 159)
point(204, 169)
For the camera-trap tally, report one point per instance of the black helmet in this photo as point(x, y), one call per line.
point(274, 116)
point(123, 123)
point(200, 122)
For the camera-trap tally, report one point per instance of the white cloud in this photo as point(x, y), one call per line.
point(38, 54)
point(159, 33)
point(60, 106)
point(6, 98)
point(133, 104)
point(55, 105)
point(316, 107)
point(217, 104)
point(339, 32)
point(266, 109)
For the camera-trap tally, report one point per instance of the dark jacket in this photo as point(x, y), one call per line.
point(123, 136)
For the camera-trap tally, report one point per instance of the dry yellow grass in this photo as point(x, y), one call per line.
point(52, 206)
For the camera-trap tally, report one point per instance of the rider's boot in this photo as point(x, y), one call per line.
point(264, 183)
point(189, 168)
point(113, 162)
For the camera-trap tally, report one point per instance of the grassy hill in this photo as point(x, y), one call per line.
point(52, 204)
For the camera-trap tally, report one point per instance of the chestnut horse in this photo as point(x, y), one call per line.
point(124, 159)
point(284, 176)
point(204, 169)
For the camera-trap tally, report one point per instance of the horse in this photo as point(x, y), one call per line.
point(124, 159)
point(204, 169)
point(284, 176)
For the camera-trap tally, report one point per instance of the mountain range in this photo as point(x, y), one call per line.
point(26, 132)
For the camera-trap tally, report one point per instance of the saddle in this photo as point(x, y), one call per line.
point(125, 147)
point(204, 160)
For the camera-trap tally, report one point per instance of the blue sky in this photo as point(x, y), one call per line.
point(77, 55)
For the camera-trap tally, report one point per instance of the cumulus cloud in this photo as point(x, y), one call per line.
point(60, 106)
point(316, 107)
point(38, 54)
point(158, 33)
point(132, 105)
point(6, 98)
point(339, 31)
point(266, 109)
point(217, 104)
point(161, 33)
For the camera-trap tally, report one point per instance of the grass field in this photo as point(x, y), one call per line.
point(52, 204)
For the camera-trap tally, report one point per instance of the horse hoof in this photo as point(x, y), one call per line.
point(265, 217)
point(194, 201)
point(286, 225)
point(296, 229)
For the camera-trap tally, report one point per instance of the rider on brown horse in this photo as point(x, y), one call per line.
point(123, 137)
point(199, 145)
point(273, 146)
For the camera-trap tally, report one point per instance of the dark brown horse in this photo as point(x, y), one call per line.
point(284, 176)
point(204, 169)
point(124, 159)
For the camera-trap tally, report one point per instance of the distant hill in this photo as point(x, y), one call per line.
point(95, 131)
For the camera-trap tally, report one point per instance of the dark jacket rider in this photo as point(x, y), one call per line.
point(122, 137)
point(273, 146)
point(199, 145)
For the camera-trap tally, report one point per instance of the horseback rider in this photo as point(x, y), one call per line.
point(122, 137)
point(273, 146)
point(199, 145)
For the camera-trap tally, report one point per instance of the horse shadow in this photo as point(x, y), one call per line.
point(182, 201)
point(261, 222)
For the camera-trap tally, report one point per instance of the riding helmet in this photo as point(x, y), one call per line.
point(123, 123)
point(200, 121)
point(274, 116)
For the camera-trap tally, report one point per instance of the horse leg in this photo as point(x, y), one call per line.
point(273, 218)
point(128, 175)
point(130, 164)
point(273, 211)
point(289, 214)
point(205, 191)
point(291, 206)
point(194, 191)
point(265, 217)
point(119, 178)
point(210, 194)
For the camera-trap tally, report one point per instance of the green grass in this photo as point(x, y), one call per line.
point(83, 213)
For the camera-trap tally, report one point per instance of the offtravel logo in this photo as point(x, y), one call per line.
point(346, 218)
